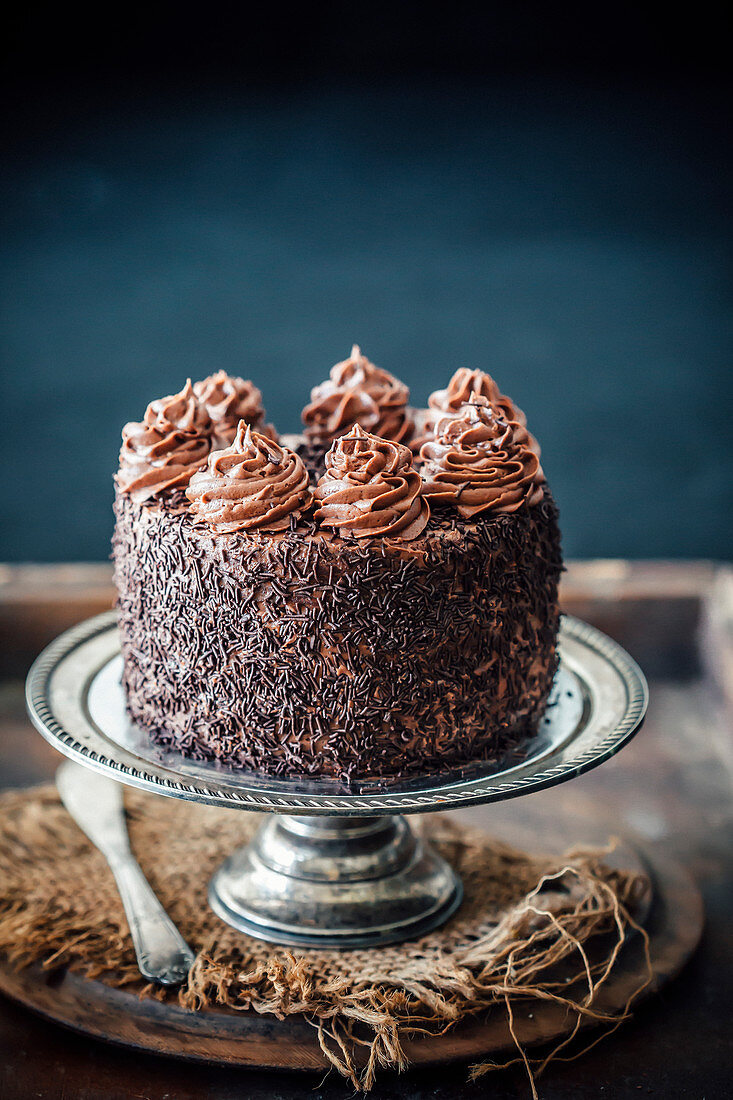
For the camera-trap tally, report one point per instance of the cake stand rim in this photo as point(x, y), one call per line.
point(454, 794)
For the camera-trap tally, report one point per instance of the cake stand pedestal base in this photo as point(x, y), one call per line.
point(319, 881)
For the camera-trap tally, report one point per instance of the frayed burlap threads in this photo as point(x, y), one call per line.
point(531, 929)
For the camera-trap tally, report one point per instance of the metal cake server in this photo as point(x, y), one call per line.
point(95, 803)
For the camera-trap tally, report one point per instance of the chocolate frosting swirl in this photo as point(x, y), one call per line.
point(357, 392)
point(253, 485)
point(163, 451)
point(180, 410)
point(450, 401)
point(228, 399)
point(481, 462)
point(466, 382)
point(370, 489)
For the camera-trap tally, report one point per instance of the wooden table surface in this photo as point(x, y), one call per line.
point(671, 787)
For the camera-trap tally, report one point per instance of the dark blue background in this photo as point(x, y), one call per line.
point(570, 236)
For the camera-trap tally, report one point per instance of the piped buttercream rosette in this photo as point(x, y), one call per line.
point(181, 410)
point(464, 384)
point(371, 489)
point(357, 392)
point(229, 399)
point(253, 485)
point(166, 448)
point(480, 462)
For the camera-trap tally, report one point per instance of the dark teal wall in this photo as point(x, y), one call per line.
point(574, 241)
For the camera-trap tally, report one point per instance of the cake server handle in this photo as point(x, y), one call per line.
point(95, 803)
point(163, 955)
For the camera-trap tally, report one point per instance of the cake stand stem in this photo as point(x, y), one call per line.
point(335, 882)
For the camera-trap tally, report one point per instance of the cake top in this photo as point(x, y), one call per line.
point(357, 392)
point(474, 455)
point(370, 488)
point(255, 484)
point(480, 462)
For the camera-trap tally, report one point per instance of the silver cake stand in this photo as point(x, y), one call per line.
point(333, 867)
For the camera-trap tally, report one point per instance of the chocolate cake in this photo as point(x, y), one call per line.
point(395, 617)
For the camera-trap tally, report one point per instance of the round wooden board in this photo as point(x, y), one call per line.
point(674, 923)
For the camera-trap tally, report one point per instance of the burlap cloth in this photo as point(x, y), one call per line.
point(530, 926)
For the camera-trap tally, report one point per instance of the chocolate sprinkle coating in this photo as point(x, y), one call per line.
point(306, 654)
